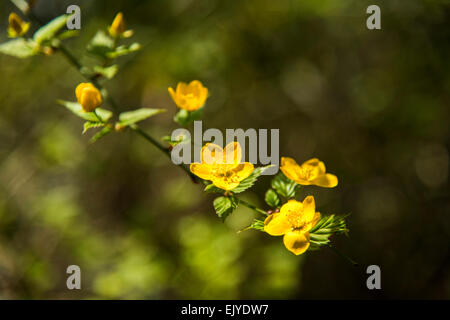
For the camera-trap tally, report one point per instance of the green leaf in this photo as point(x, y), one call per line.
point(224, 206)
point(132, 117)
point(256, 224)
point(284, 186)
point(184, 117)
point(67, 34)
point(19, 48)
point(325, 227)
point(211, 188)
point(272, 198)
point(107, 72)
point(101, 44)
point(123, 50)
point(49, 31)
point(90, 124)
point(100, 134)
point(76, 108)
point(250, 180)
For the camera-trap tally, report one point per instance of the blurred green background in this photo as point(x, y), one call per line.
point(374, 105)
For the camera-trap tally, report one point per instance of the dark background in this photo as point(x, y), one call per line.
point(374, 105)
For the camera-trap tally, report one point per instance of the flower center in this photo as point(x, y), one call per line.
point(308, 172)
point(223, 172)
point(295, 220)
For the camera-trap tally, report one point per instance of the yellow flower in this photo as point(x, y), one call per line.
point(17, 27)
point(118, 27)
point(310, 172)
point(190, 96)
point(293, 222)
point(88, 96)
point(222, 166)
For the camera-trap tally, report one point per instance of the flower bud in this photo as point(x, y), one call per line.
point(190, 96)
point(119, 128)
point(118, 26)
point(88, 96)
point(17, 27)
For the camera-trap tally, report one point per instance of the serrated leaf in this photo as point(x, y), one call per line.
point(325, 227)
point(224, 206)
point(107, 72)
point(132, 117)
point(250, 180)
point(211, 188)
point(256, 224)
point(19, 48)
point(284, 186)
point(48, 31)
point(100, 134)
point(90, 124)
point(272, 198)
point(76, 108)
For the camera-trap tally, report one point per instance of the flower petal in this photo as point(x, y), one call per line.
point(327, 180)
point(243, 170)
point(291, 169)
point(316, 163)
point(225, 184)
point(211, 153)
point(173, 94)
point(297, 242)
point(232, 153)
point(308, 226)
point(201, 170)
point(182, 88)
point(277, 224)
point(292, 207)
point(309, 209)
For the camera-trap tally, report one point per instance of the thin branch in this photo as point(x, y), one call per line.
point(253, 207)
point(351, 261)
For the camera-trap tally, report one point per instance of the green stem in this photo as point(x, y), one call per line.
point(98, 117)
point(354, 263)
point(251, 206)
point(159, 146)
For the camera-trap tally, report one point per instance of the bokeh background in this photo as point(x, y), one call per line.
point(374, 105)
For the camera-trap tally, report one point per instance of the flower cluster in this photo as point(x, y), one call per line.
point(222, 171)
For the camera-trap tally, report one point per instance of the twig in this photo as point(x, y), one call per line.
point(355, 264)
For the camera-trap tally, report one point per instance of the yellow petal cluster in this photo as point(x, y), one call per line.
point(118, 27)
point(88, 96)
point(294, 221)
point(190, 96)
point(311, 172)
point(17, 27)
point(223, 167)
